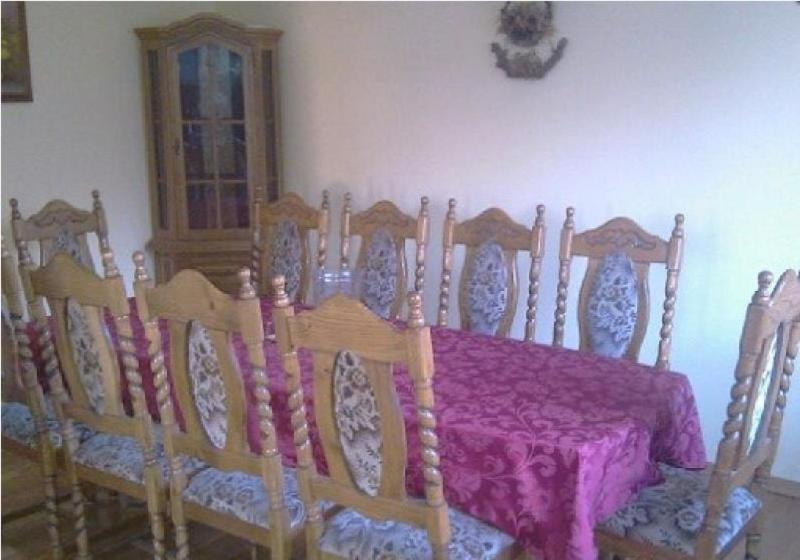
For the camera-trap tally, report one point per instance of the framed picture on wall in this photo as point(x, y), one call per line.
point(15, 60)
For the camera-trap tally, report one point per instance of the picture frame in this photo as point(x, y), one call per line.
point(16, 75)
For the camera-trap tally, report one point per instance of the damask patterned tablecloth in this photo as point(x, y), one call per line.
point(538, 441)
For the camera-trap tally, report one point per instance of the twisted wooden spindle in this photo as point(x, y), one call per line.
point(152, 470)
point(423, 233)
point(674, 257)
point(422, 376)
point(255, 251)
point(305, 459)
point(177, 479)
point(102, 226)
point(447, 263)
point(565, 260)
point(36, 402)
point(345, 229)
point(322, 230)
point(537, 252)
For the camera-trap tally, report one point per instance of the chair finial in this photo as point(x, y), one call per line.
point(765, 279)
point(140, 272)
point(326, 199)
point(678, 230)
point(570, 221)
point(424, 201)
point(246, 290)
point(539, 215)
point(279, 291)
point(416, 318)
point(96, 198)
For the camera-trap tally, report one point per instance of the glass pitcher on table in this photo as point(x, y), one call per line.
point(331, 282)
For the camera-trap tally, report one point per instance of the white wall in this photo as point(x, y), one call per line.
point(655, 109)
point(85, 127)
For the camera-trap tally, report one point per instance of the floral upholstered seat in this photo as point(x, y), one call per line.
point(243, 495)
point(122, 456)
point(18, 425)
point(670, 515)
point(354, 536)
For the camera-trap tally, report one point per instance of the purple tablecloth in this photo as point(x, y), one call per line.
point(538, 441)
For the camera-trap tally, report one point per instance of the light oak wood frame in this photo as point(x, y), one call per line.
point(190, 297)
point(346, 323)
point(19, 357)
point(493, 225)
point(290, 207)
point(63, 279)
point(55, 217)
point(386, 216)
point(772, 317)
point(644, 249)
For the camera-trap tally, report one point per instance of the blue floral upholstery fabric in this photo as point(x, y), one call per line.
point(670, 515)
point(86, 355)
point(122, 456)
point(764, 381)
point(378, 281)
point(358, 422)
point(208, 387)
point(487, 288)
point(351, 535)
point(18, 425)
point(612, 305)
point(243, 496)
point(66, 242)
point(285, 256)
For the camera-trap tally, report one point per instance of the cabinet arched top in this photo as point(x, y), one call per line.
point(211, 26)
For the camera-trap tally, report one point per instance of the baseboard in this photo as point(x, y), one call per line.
point(784, 487)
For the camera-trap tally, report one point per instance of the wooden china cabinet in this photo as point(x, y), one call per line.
point(211, 107)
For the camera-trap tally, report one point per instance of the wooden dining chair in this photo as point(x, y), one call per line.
point(381, 262)
point(123, 455)
point(702, 515)
point(487, 295)
point(363, 437)
point(59, 227)
point(281, 243)
point(614, 301)
point(243, 493)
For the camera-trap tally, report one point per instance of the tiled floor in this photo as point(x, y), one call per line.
point(118, 533)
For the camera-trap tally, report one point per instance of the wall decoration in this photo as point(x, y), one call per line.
point(15, 61)
point(528, 48)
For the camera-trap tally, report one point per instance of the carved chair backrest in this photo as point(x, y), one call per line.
point(59, 227)
point(79, 300)
point(767, 352)
point(614, 300)
point(381, 263)
point(281, 242)
point(206, 375)
point(356, 408)
point(487, 297)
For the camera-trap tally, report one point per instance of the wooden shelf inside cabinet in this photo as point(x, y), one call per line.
point(213, 140)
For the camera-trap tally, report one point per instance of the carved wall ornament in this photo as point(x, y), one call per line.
point(529, 49)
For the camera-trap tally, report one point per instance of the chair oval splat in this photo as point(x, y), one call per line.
point(208, 387)
point(358, 422)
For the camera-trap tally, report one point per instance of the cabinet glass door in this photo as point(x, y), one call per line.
point(213, 138)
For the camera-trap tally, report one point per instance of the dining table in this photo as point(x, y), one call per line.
point(541, 442)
